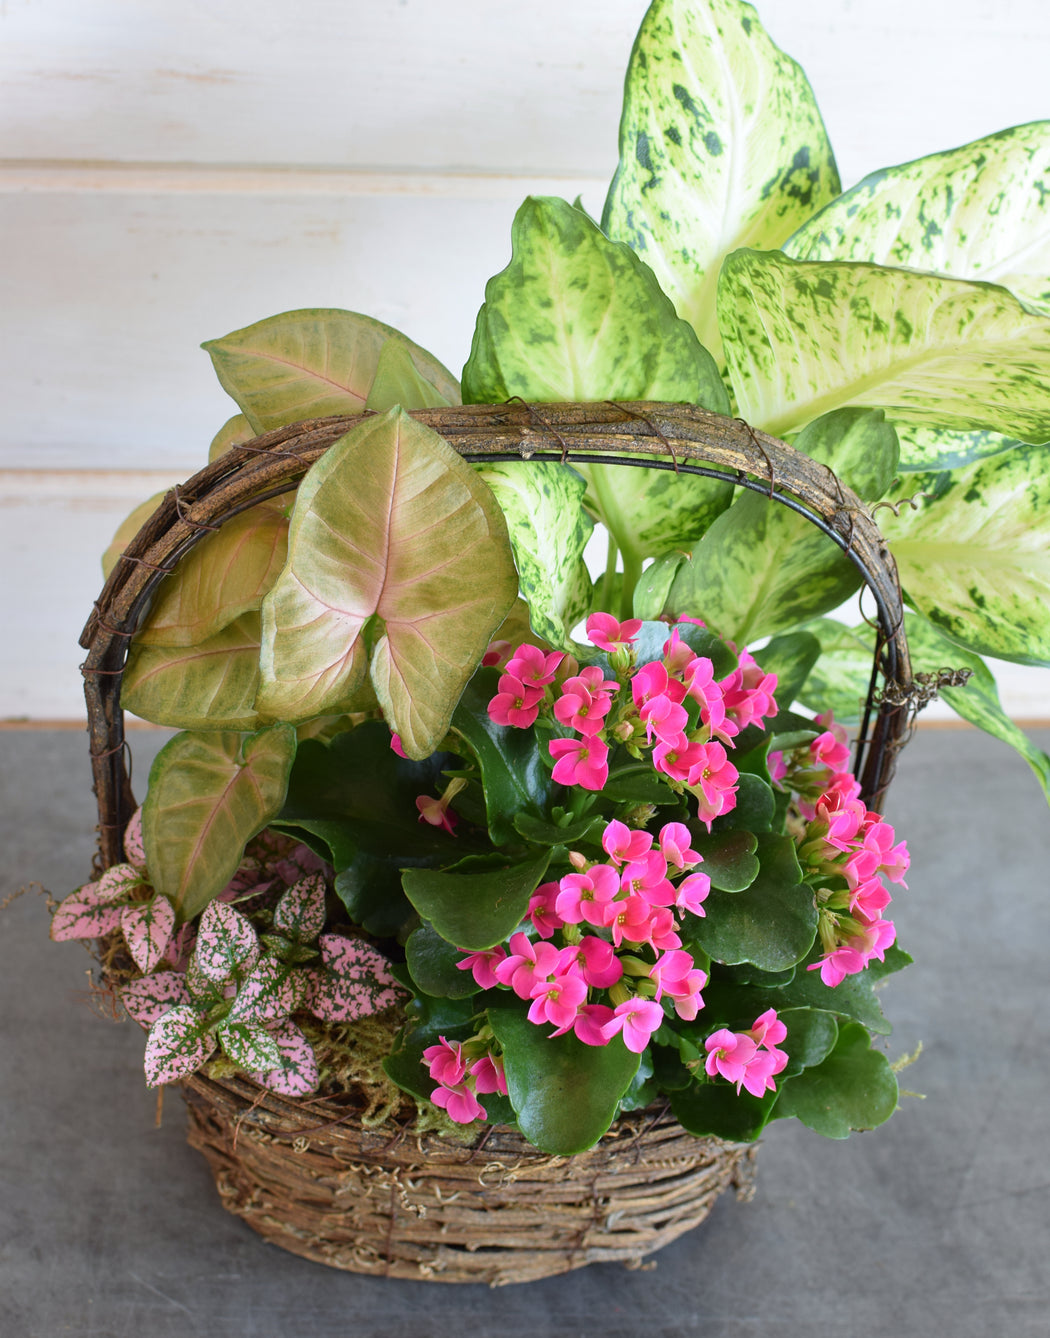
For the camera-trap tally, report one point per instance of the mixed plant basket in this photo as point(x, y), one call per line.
point(488, 910)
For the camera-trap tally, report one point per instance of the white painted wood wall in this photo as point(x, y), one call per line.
point(176, 169)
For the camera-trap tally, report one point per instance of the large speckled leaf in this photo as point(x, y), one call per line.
point(393, 530)
point(839, 680)
point(935, 448)
point(548, 529)
point(575, 316)
point(975, 556)
point(209, 794)
point(721, 146)
point(978, 701)
point(803, 337)
point(981, 211)
point(210, 686)
point(761, 568)
point(305, 364)
point(227, 574)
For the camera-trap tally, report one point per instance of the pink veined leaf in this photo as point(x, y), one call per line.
point(119, 882)
point(226, 942)
point(249, 1045)
point(134, 850)
point(151, 997)
point(178, 1045)
point(271, 992)
point(357, 982)
point(298, 864)
point(297, 1073)
point(83, 915)
point(147, 931)
point(300, 912)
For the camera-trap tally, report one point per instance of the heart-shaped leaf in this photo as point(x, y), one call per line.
point(209, 794)
point(177, 1046)
point(475, 910)
point(981, 211)
point(854, 1088)
point(148, 999)
point(147, 930)
point(227, 574)
point(565, 1093)
point(233, 432)
point(297, 1074)
point(310, 363)
point(805, 337)
point(399, 380)
point(975, 556)
point(209, 686)
point(393, 530)
point(543, 504)
point(721, 145)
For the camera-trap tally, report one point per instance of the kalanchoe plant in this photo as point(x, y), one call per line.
point(588, 874)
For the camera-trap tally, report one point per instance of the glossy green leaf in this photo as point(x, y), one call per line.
point(390, 525)
point(399, 380)
point(754, 808)
point(981, 211)
point(512, 770)
point(791, 657)
point(234, 432)
point(721, 145)
point(210, 686)
point(652, 637)
point(432, 963)
point(716, 1110)
point(127, 529)
point(428, 1020)
point(586, 829)
point(475, 910)
point(975, 557)
point(772, 923)
point(309, 363)
point(209, 794)
point(729, 859)
point(811, 1036)
point(653, 589)
point(548, 527)
point(840, 678)
point(804, 337)
point(228, 573)
point(978, 701)
point(761, 568)
point(934, 448)
point(854, 1088)
point(565, 1093)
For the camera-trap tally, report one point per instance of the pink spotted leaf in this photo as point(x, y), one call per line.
point(83, 914)
point(119, 882)
point(178, 1045)
point(204, 992)
point(250, 1045)
point(226, 942)
point(269, 993)
point(300, 912)
point(356, 984)
point(151, 997)
point(147, 931)
point(296, 1075)
point(134, 850)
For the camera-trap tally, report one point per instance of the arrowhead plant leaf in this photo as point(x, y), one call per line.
point(981, 211)
point(721, 146)
point(804, 337)
point(313, 362)
point(209, 794)
point(393, 532)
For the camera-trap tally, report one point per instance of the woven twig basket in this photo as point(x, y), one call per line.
point(310, 1176)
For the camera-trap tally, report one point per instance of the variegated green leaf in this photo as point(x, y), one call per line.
point(210, 686)
point(761, 568)
point(839, 680)
point(978, 701)
point(934, 448)
point(974, 557)
point(803, 337)
point(305, 364)
point(249, 1045)
point(575, 316)
point(227, 574)
point(209, 794)
point(543, 504)
point(981, 211)
point(234, 432)
point(721, 146)
point(392, 529)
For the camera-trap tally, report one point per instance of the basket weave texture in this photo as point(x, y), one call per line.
point(312, 1178)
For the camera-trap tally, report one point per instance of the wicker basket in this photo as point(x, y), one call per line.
point(310, 1176)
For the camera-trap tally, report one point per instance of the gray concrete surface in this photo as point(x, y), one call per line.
point(937, 1224)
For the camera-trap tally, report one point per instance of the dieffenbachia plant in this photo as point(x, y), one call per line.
point(898, 332)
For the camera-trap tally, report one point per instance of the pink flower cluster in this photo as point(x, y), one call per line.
point(674, 707)
point(819, 769)
point(847, 850)
point(460, 1079)
point(750, 1059)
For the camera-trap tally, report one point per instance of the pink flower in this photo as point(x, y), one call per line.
point(748, 692)
point(583, 762)
point(585, 896)
point(636, 1020)
point(542, 910)
point(664, 718)
point(608, 634)
point(777, 767)
point(585, 701)
point(830, 750)
point(495, 654)
point(515, 705)
point(647, 877)
point(589, 1023)
point(629, 920)
point(558, 1000)
point(526, 964)
point(713, 780)
point(436, 811)
point(679, 759)
point(533, 667)
point(459, 1103)
point(855, 952)
point(692, 892)
point(595, 960)
point(395, 744)
point(652, 680)
point(623, 845)
point(674, 843)
point(483, 965)
point(676, 974)
point(445, 1062)
point(736, 1057)
point(487, 1073)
